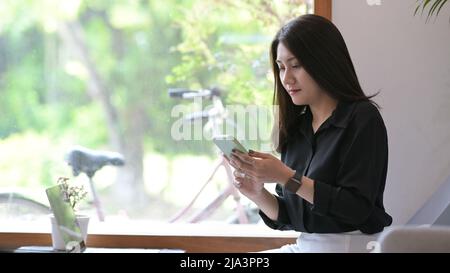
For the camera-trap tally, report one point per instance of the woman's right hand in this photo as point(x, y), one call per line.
point(247, 185)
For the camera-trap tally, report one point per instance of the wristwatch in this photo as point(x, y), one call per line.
point(294, 183)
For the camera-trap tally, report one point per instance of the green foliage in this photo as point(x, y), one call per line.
point(434, 7)
point(226, 44)
point(20, 87)
point(84, 128)
point(139, 49)
point(31, 160)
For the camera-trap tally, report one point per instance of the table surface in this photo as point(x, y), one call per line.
point(49, 249)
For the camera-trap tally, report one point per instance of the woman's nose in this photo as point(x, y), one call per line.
point(288, 78)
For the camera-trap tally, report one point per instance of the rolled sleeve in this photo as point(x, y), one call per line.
point(282, 222)
point(322, 197)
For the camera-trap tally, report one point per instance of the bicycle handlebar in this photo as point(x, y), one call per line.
point(210, 94)
point(190, 94)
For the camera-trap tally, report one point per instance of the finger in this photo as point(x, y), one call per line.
point(239, 180)
point(250, 177)
point(256, 154)
point(236, 163)
point(237, 183)
point(248, 168)
point(238, 151)
point(243, 180)
point(226, 157)
point(253, 174)
point(238, 174)
point(252, 169)
point(233, 164)
point(242, 166)
point(244, 158)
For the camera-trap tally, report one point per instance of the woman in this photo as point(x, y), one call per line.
point(333, 145)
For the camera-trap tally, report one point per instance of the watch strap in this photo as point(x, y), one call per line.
point(294, 183)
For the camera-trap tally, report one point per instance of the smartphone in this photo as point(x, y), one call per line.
point(227, 143)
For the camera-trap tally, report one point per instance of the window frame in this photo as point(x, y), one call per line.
point(323, 8)
point(188, 243)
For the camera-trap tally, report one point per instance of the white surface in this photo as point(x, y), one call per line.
point(46, 249)
point(126, 227)
point(408, 60)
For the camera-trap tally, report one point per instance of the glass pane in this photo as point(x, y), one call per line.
point(84, 88)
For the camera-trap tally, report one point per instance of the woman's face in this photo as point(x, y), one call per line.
point(298, 83)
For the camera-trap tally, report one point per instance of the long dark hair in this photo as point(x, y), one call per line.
point(320, 48)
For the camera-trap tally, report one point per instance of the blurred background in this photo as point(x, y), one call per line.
point(96, 74)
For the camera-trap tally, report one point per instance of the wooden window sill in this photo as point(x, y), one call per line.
point(199, 238)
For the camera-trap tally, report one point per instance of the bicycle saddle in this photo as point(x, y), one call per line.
point(88, 161)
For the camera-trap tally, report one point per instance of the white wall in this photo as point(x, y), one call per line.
point(409, 62)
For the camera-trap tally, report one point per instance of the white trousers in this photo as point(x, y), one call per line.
point(348, 242)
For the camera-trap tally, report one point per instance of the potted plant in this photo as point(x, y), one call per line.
point(73, 195)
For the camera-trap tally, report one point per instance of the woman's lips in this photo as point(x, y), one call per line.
point(293, 91)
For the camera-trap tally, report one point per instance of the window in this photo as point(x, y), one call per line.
point(96, 75)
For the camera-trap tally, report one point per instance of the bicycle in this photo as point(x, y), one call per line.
point(216, 116)
point(19, 204)
point(81, 160)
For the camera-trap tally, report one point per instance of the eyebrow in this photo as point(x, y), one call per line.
point(289, 59)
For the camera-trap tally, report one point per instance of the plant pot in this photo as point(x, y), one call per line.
point(57, 240)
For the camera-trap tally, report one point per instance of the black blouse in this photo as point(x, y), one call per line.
point(347, 158)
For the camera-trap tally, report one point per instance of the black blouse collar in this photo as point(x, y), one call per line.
point(340, 117)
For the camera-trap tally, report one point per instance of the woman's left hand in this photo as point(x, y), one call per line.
point(261, 167)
